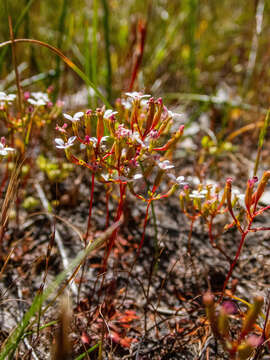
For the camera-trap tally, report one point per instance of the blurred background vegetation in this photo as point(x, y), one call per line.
point(207, 47)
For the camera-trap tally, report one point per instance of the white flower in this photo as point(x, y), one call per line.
point(134, 178)
point(180, 180)
point(127, 104)
point(235, 192)
point(137, 95)
point(165, 165)
point(144, 104)
point(75, 117)
point(38, 102)
point(104, 138)
point(6, 98)
point(62, 145)
point(174, 115)
point(39, 99)
point(197, 194)
point(124, 179)
point(94, 140)
point(241, 200)
point(136, 137)
point(40, 96)
point(4, 150)
point(109, 113)
point(239, 197)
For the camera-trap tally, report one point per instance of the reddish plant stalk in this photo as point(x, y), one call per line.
point(118, 215)
point(107, 209)
point(90, 206)
point(243, 237)
point(139, 53)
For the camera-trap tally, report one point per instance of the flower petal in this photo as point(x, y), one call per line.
point(59, 141)
point(68, 117)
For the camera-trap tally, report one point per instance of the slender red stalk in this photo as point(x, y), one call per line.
point(243, 237)
point(90, 206)
point(139, 53)
point(118, 215)
point(107, 208)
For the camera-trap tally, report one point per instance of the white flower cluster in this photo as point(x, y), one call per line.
point(195, 194)
point(76, 117)
point(5, 150)
point(39, 99)
point(4, 98)
point(165, 165)
point(109, 113)
point(65, 145)
point(137, 95)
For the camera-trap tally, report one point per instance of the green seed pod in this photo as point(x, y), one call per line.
point(182, 202)
point(150, 115)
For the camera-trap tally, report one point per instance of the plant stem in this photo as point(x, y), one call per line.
point(243, 237)
point(118, 216)
point(90, 206)
point(144, 225)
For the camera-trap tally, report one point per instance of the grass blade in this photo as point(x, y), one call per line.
point(261, 141)
point(107, 48)
point(74, 67)
point(61, 31)
point(83, 355)
point(16, 27)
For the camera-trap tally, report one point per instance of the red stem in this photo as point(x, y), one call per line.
point(107, 208)
point(90, 206)
point(244, 234)
point(118, 215)
point(139, 54)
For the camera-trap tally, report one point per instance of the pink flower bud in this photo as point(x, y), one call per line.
point(26, 95)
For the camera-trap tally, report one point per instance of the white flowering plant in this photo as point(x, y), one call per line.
point(130, 146)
